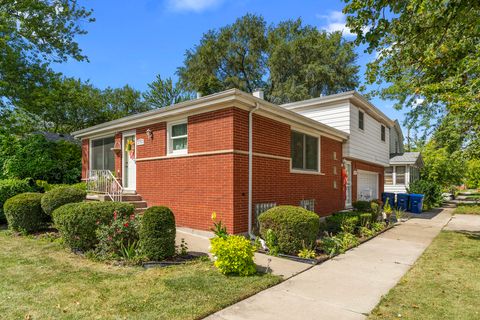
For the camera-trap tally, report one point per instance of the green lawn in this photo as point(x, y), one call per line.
point(42, 280)
point(467, 209)
point(443, 284)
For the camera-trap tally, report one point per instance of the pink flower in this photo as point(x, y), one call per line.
point(115, 215)
point(126, 224)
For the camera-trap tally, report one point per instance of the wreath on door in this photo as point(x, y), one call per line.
point(130, 148)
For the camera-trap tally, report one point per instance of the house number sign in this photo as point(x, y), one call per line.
point(140, 142)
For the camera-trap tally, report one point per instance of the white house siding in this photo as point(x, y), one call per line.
point(336, 116)
point(366, 144)
point(396, 146)
point(395, 189)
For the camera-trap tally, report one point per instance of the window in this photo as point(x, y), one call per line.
point(102, 154)
point(382, 133)
point(400, 175)
point(308, 204)
point(178, 138)
point(361, 124)
point(388, 176)
point(304, 152)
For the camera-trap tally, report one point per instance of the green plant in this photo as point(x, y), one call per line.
point(130, 251)
point(57, 197)
point(376, 210)
point(399, 214)
point(431, 191)
point(292, 226)
point(377, 226)
point(78, 222)
point(219, 229)
point(342, 221)
point(182, 248)
point(233, 255)
point(387, 209)
point(271, 242)
point(157, 233)
point(307, 253)
point(10, 188)
point(365, 219)
point(365, 232)
point(119, 234)
point(339, 243)
point(362, 206)
point(24, 212)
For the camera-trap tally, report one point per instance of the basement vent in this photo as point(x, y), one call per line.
point(308, 204)
point(261, 208)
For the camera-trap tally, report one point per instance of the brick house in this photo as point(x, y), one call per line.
point(230, 152)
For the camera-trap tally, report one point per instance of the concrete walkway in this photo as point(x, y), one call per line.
point(464, 222)
point(348, 286)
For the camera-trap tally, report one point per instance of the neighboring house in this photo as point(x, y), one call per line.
point(404, 166)
point(366, 152)
point(195, 157)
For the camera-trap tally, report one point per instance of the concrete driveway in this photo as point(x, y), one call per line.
point(348, 286)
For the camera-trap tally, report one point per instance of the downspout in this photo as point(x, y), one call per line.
point(250, 168)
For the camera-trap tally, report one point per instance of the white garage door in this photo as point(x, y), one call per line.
point(367, 185)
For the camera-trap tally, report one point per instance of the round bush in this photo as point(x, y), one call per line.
point(294, 227)
point(78, 222)
point(58, 197)
point(157, 233)
point(24, 212)
point(234, 255)
point(10, 188)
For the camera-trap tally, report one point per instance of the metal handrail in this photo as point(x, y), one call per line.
point(104, 182)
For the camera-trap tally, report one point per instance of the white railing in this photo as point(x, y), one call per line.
point(104, 182)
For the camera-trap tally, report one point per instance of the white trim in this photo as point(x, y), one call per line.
point(349, 180)
point(170, 150)
point(319, 151)
point(128, 134)
point(90, 148)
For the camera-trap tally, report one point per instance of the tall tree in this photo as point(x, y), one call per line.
point(289, 60)
point(428, 59)
point(121, 102)
point(163, 93)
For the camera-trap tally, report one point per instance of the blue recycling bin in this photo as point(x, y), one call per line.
point(403, 201)
point(416, 203)
point(391, 198)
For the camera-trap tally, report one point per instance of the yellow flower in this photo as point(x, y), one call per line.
point(214, 216)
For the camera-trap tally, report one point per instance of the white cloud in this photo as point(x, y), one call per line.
point(192, 5)
point(335, 21)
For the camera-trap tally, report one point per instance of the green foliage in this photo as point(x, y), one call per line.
point(78, 222)
point(362, 206)
point(365, 219)
point(307, 253)
point(473, 173)
point(365, 232)
point(219, 229)
point(342, 221)
point(387, 208)
point(428, 59)
point(10, 188)
point(376, 210)
point(292, 226)
point(163, 93)
point(432, 192)
point(59, 196)
point(24, 212)
point(377, 226)
point(333, 245)
point(118, 238)
point(37, 158)
point(271, 242)
point(300, 61)
point(233, 255)
point(157, 233)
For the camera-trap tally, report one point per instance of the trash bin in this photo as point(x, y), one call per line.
point(402, 201)
point(416, 203)
point(391, 198)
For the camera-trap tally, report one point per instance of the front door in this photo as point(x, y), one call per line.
point(129, 175)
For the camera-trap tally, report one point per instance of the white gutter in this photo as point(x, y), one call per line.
point(250, 168)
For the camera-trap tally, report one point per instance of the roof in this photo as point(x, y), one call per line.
point(196, 105)
point(52, 136)
point(353, 96)
point(406, 158)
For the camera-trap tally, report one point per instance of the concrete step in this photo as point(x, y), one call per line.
point(138, 204)
point(140, 210)
point(131, 197)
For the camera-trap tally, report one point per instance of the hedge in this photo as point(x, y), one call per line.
point(342, 221)
point(157, 233)
point(294, 227)
point(59, 196)
point(10, 188)
point(24, 212)
point(78, 222)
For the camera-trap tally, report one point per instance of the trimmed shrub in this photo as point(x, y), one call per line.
point(234, 255)
point(342, 221)
point(362, 206)
point(59, 196)
point(10, 188)
point(294, 227)
point(78, 222)
point(157, 233)
point(24, 212)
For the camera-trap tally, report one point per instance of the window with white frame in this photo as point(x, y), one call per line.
point(178, 138)
point(388, 176)
point(304, 152)
point(361, 120)
point(400, 175)
point(308, 204)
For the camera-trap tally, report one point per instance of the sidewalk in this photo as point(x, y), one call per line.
point(348, 286)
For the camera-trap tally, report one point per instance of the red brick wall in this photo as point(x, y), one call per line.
point(359, 165)
point(85, 157)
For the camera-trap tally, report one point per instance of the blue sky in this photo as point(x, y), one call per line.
point(133, 41)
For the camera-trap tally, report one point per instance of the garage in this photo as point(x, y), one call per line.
point(367, 185)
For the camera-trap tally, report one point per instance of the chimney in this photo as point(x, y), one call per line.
point(258, 93)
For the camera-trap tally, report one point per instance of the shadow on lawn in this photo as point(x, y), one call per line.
point(474, 235)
